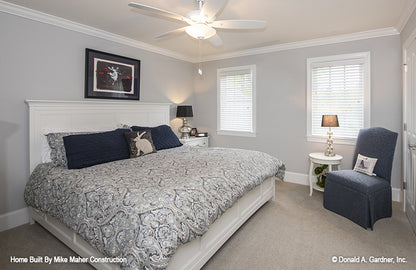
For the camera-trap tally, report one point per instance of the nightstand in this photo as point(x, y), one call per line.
point(320, 158)
point(195, 141)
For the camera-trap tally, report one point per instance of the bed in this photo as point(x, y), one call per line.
point(200, 215)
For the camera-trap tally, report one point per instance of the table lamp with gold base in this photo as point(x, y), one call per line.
point(330, 120)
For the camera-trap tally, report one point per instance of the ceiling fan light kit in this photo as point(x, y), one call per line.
point(202, 22)
point(200, 31)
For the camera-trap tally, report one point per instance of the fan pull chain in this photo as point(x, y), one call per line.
point(199, 58)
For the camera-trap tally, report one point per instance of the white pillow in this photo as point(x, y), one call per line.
point(365, 164)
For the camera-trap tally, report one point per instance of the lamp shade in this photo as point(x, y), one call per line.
point(184, 111)
point(329, 120)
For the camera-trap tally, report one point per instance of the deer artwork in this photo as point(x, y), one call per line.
point(114, 72)
point(143, 145)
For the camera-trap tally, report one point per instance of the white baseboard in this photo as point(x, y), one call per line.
point(302, 179)
point(297, 178)
point(14, 219)
point(396, 194)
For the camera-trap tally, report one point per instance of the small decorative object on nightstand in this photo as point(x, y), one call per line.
point(195, 141)
point(194, 131)
point(330, 121)
point(201, 134)
point(321, 158)
point(184, 112)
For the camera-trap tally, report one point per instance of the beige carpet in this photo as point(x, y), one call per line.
point(294, 232)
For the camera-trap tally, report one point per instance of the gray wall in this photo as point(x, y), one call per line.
point(40, 61)
point(281, 101)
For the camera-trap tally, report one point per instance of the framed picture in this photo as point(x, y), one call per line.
point(193, 132)
point(111, 76)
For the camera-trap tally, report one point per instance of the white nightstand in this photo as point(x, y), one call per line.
point(196, 141)
point(320, 158)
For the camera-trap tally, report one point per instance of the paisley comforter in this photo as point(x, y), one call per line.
point(143, 208)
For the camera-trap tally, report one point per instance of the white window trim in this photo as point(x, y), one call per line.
point(367, 94)
point(254, 81)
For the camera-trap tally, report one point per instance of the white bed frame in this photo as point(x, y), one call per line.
point(104, 115)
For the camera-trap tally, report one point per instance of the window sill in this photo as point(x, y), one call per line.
point(337, 140)
point(236, 133)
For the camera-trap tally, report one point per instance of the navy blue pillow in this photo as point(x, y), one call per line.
point(91, 149)
point(162, 136)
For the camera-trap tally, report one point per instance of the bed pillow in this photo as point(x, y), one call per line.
point(57, 148)
point(162, 136)
point(140, 143)
point(46, 149)
point(91, 149)
point(365, 164)
point(52, 144)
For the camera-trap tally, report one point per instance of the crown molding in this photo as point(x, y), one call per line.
point(407, 13)
point(307, 43)
point(38, 16)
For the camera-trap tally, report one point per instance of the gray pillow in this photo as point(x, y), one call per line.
point(56, 143)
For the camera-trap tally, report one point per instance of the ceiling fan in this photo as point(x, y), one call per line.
point(202, 22)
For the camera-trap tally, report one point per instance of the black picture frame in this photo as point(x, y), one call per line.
point(111, 76)
point(193, 132)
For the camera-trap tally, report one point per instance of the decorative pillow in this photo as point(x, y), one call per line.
point(162, 136)
point(365, 164)
point(53, 149)
point(140, 143)
point(46, 150)
point(56, 143)
point(91, 149)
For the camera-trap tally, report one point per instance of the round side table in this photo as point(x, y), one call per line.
point(320, 158)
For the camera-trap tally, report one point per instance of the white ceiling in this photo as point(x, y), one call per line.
point(287, 20)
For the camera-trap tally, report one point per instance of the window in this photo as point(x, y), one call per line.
point(236, 101)
point(339, 85)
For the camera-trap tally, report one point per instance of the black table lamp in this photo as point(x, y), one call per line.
point(184, 112)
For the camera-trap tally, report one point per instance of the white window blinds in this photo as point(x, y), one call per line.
point(339, 87)
point(236, 93)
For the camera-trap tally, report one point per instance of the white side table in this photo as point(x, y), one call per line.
point(320, 158)
point(195, 141)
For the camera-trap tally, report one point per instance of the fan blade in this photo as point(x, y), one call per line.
point(211, 8)
point(215, 40)
point(239, 24)
point(160, 12)
point(176, 31)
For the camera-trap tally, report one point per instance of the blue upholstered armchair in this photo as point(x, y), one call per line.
point(362, 198)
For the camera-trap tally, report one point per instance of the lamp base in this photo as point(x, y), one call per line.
point(330, 149)
point(185, 135)
point(185, 129)
point(329, 154)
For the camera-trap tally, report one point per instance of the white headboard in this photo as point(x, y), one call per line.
point(53, 115)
